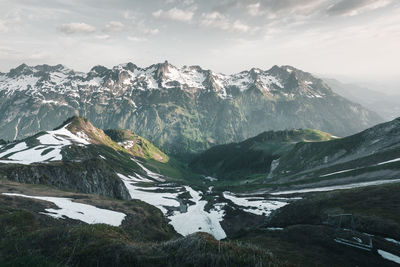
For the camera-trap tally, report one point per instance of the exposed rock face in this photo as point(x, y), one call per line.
point(182, 110)
point(89, 176)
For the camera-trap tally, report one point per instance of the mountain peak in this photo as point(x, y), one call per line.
point(99, 69)
point(22, 69)
point(84, 129)
point(75, 120)
point(126, 66)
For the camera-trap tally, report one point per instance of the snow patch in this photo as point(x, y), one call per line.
point(155, 176)
point(333, 173)
point(18, 147)
point(274, 165)
point(78, 211)
point(186, 76)
point(197, 219)
point(127, 144)
point(389, 161)
point(194, 219)
point(211, 179)
point(336, 187)
point(51, 142)
point(255, 205)
point(274, 229)
point(389, 256)
point(150, 195)
point(393, 241)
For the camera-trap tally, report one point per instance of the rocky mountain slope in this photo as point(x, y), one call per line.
point(254, 155)
point(182, 110)
point(80, 157)
point(287, 160)
point(372, 153)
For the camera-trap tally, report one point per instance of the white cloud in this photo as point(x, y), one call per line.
point(103, 37)
point(128, 15)
point(38, 55)
point(174, 14)
point(3, 27)
point(136, 39)
point(139, 25)
point(218, 21)
point(255, 9)
point(77, 27)
point(10, 21)
point(114, 26)
point(183, 2)
point(355, 7)
point(142, 27)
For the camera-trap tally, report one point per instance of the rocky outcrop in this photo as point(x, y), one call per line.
point(90, 176)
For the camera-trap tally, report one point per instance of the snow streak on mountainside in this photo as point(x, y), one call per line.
point(167, 104)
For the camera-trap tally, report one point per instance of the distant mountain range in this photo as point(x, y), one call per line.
point(182, 110)
point(387, 106)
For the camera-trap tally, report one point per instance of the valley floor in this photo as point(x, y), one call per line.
point(290, 225)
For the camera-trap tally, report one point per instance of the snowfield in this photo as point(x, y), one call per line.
point(78, 211)
point(150, 195)
point(185, 219)
point(255, 205)
point(49, 149)
point(197, 219)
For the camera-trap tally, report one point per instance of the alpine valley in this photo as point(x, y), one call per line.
point(167, 166)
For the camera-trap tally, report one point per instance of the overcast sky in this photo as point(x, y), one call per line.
point(354, 38)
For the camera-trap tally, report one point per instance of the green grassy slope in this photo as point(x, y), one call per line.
point(254, 155)
point(361, 152)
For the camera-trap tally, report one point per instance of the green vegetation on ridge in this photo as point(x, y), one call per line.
point(254, 155)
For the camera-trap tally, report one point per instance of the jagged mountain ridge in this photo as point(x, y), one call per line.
point(119, 79)
point(181, 110)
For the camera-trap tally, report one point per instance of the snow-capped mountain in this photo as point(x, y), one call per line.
point(170, 105)
point(43, 79)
